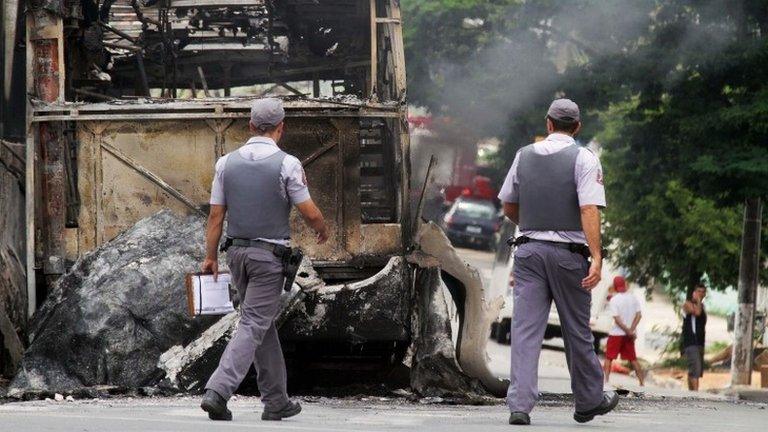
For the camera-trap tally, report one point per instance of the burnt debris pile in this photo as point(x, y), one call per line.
point(118, 308)
point(118, 320)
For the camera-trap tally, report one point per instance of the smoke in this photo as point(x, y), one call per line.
point(584, 49)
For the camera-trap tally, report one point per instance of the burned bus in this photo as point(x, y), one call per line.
point(131, 103)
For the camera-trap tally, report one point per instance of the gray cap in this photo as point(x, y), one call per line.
point(267, 112)
point(564, 110)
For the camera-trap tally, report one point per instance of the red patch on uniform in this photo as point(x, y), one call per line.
point(599, 177)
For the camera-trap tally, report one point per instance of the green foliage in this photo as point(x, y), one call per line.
point(716, 347)
point(689, 145)
point(661, 229)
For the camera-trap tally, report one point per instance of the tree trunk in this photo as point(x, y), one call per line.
point(741, 364)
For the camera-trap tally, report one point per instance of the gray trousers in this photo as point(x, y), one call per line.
point(543, 272)
point(258, 276)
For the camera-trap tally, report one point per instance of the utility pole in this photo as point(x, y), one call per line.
point(741, 362)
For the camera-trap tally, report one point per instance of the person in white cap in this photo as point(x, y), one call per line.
point(254, 187)
point(554, 192)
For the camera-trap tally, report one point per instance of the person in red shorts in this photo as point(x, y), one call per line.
point(625, 310)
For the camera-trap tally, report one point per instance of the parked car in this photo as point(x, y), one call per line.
point(473, 222)
point(502, 283)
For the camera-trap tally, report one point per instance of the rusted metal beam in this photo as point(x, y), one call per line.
point(374, 49)
point(120, 33)
point(291, 89)
point(45, 81)
point(94, 94)
point(398, 48)
point(149, 175)
point(427, 181)
point(123, 47)
point(10, 10)
point(219, 127)
point(319, 152)
point(203, 81)
point(29, 214)
point(46, 69)
point(11, 159)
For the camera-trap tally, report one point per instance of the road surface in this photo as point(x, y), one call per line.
point(373, 414)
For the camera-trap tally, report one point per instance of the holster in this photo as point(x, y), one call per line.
point(226, 244)
point(291, 262)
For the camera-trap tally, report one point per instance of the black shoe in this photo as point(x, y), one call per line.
point(519, 418)
point(610, 400)
point(289, 410)
point(215, 406)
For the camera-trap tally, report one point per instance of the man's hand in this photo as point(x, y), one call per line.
point(594, 275)
point(212, 237)
point(322, 235)
point(210, 266)
point(590, 221)
point(314, 218)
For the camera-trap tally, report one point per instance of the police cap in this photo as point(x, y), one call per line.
point(267, 112)
point(564, 110)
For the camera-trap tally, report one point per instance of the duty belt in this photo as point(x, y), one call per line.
point(578, 248)
point(277, 249)
point(290, 257)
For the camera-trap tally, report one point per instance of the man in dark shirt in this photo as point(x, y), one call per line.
point(694, 324)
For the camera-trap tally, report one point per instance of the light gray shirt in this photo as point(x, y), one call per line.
point(589, 184)
point(292, 175)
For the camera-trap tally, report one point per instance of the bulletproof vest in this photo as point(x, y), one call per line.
point(548, 197)
point(256, 208)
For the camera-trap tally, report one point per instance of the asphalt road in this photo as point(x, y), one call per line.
point(374, 414)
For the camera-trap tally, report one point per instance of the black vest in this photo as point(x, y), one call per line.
point(699, 322)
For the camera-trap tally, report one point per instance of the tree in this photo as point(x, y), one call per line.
point(692, 142)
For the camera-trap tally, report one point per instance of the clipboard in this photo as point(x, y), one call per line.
point(206, 297)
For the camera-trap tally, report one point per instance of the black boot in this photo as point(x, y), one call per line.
point(289, 410)
point(610, 400)
point(215, 406)
point(519, 418)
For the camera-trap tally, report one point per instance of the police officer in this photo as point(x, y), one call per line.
point(255, 186)
point(554, 192)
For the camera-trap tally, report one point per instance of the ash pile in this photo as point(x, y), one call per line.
point(118, 321)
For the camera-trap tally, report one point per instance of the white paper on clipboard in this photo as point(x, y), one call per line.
point(212, 297)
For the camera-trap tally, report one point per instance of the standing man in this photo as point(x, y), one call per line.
point(255, 186)
point(694, 332)
point(625, 310)
point(554, 192)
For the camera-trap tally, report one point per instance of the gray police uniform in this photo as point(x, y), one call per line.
point(257, 208)
point(550, 180)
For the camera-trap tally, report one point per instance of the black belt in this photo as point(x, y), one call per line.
point(578, 248)
point(277, 249)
